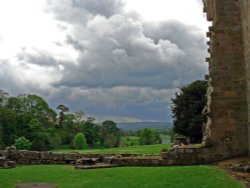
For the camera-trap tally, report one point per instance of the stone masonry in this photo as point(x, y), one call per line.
point(228, 108)
point(245, 15)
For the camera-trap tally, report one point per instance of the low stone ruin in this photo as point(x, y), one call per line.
point(181, 155)
point(6, 163)
point(82, 161)
point(90, 163)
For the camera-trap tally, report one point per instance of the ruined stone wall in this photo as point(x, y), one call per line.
point(245, 12)
point(227, 127)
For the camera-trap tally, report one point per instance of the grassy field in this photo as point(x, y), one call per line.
point(147, 149)
point(133, 177)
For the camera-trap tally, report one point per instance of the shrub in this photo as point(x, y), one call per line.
point(149, 136)
point(22, 143)
point(79, 141)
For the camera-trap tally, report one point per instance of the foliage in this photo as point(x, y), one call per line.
point(62, 109)
point(31, 117)
point(92, 133)
point(79, 141)
point(171, 134)
point(38, 135)
point(69, 128)
point(149, 136)
point(8, 130)
point(187, 109)
point(157, 177)
point(110, 134)
point(33, 105)
point(130, 141)
point(22, 143)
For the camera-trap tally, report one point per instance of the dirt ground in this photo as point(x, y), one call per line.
point(229, 165)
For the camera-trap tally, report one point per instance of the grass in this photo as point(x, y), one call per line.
point(126, 177)
point(146, 149)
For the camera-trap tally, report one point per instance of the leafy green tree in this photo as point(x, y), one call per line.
point(62, 109)
point(35, 120)
point(33, 106)
point(38, 135)
point(79, 141)
point(110, 134)
point(69, 128)
point(22, 143)
point(8, 130)
point(149, 136)
point(187, 108)
point(55, 139)
point(92, 133)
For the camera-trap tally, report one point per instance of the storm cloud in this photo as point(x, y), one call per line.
point(121, 66)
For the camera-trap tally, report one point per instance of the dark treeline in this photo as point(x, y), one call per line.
point(28, 122)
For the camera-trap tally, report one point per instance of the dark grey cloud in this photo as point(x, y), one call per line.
point(123, 67)
point(118, 102)
point(120, 51)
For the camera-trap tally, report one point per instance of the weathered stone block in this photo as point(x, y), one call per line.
point(46, 155)
point(58, 156)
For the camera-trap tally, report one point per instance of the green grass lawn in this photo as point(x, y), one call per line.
point(147, 149)
point(126, 177)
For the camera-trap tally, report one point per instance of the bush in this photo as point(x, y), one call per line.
point(79, 141)
point(149, 136)
point(22, 143)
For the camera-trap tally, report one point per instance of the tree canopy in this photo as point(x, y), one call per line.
point(187, 107)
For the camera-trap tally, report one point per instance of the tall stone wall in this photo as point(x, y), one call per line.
point(227, 126)
point(245, 12)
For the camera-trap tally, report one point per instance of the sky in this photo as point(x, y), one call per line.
point(113, 59)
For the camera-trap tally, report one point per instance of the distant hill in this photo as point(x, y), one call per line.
point(142, 125)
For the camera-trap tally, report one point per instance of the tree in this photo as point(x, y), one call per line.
point(33, 106)
point(69, 128)
point(149, 136)
point(187, 109)
point(38, 135)
point(62, 109)
point(92, 133)
point(110, 134)
point(8, 130)
point(22, 143)
point(79, 117)
point(79, 141)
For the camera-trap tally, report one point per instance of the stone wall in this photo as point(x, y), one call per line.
point(245, 12)
point(25, 157)
point(227, 126)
